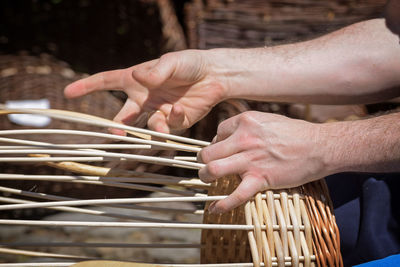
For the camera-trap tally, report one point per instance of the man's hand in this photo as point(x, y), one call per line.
point(175, 90)
point(268, 151)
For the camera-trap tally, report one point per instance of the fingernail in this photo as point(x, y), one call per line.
point(117, 131)
point(199, 159)
point(212, 209)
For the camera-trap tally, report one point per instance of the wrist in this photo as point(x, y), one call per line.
point(238, 70)
point(218, 69)
point(335, 153)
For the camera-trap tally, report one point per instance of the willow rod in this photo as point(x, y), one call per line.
point(91, 212)
point(100, 245)
point(97, 121)
point(30, 143)
point(66, 178)
point(85, 146)
point(57, 159)
point(105, 171)
point(66, 264)
point(111, 201)
point(37, 264)
point(97, 170)
point(118, 201)
point(103, 135)
point(123, 185)
point(198, 226)
point(60, 198)
point(35, 144)
point(141, 158)
point(42, 254)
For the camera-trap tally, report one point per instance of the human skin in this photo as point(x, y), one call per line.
point(272, 151)
point(358, 64)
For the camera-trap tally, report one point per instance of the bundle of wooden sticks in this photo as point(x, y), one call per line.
point(293, 227)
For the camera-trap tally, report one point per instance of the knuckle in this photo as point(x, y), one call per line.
point(205, 176)
point(204, 155)
point(247, 117)
point(254, 142)
point(168, 56)
point(202, 174)
point(243, 141)
point(248, 141)
point(213, 169)
point(221, 127)
point(271, 181)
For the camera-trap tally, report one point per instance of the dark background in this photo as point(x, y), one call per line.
point(90, 35)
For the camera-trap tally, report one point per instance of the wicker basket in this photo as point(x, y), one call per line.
point(92, 35)
point(26, 77)
point(31, 78)
point(294, 227)
point(255, 23)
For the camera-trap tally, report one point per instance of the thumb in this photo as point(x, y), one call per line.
point(157, 74)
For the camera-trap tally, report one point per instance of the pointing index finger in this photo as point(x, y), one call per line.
point(108, 80)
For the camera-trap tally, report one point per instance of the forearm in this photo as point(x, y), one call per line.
point(371, 145)
point(357, 64)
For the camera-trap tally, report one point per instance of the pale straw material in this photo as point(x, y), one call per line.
point(293, 227)
point(307, 234)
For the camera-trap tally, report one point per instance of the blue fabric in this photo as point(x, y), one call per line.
point(390, 261)
point(367, 210)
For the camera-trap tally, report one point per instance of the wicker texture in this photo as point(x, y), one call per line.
point(255, 23)
point(30, 78)
point(293, 227)
point(288, 227)
point(227, 246)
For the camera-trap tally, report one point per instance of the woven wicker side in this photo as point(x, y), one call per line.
point(293, 227)
point(254, 23)
point(224, 246)
point(326, 234)
point(307, 233)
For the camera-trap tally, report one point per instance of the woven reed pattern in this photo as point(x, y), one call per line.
point(256, 23)
point(288, 227)
point(30, 78)
point(293, 227)
point(228, 246)
point(326, 235)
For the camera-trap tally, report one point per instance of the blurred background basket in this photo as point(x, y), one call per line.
point(256, 23)
point(26, 77)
